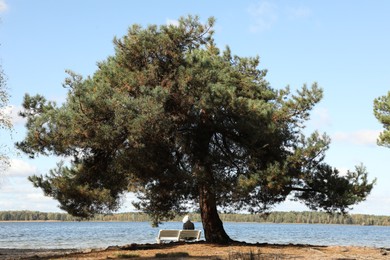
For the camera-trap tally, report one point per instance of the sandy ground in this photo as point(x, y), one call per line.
point(202, 250)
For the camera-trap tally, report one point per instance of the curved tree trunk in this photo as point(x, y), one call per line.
point(212, 224)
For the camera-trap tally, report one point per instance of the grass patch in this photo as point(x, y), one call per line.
point(126, 256)
point(174, 254)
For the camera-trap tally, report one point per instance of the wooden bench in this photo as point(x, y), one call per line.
point(178, 235)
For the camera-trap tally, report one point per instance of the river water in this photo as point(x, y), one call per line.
point(34, 235)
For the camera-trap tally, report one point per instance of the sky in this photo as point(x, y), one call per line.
point(341, 45)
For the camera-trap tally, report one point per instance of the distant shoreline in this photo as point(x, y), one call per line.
point(292, 217)
point(118, 221)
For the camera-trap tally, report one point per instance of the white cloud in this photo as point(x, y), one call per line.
point(3, 6)
point(20, 168)
point(264, 14)
point(344, 170)
point(172, 22)
point(267, 13)
point(361, 137)
point(17, 193)
point(289, 205)
point(299, 12)
point(320, 118)
point(375, 204)
point(37, 197)
point(32, 200)
point(13, 113)
point(127, 202)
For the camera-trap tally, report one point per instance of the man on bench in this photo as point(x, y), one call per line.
point(187, 224)
point(188, 233)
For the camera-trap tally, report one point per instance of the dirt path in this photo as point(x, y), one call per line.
point(204, 250)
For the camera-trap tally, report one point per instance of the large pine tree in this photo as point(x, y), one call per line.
point(184, 126)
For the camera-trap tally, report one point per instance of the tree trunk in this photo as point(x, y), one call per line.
point(212, 224)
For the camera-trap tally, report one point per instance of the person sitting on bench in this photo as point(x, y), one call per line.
point(187, 224)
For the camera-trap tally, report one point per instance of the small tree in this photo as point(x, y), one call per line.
point(183, 125)
point(5, 120)
point(382, 113)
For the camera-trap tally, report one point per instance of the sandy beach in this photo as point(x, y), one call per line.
point(203, 250)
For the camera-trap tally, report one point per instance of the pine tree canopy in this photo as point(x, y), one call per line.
point(185, 126)
point(382, 113)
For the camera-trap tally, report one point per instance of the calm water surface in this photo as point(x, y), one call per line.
point(104, 234)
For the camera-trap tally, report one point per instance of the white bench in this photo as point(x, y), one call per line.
point(177, 235)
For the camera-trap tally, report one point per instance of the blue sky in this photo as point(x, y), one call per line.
point(342, 45)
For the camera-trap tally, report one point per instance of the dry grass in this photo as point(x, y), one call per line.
point(203, 250)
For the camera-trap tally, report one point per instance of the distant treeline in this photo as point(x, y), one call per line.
point(306, 217)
